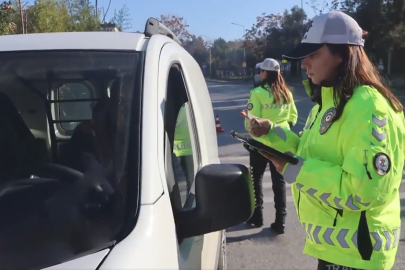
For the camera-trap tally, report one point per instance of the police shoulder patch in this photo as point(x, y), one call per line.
point(326, 121)
point(249, 106)
point(382, 163)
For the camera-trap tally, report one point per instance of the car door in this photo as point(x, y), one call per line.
point(185, 127)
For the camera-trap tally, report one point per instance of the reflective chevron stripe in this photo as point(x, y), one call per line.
point(378, 241)
point(274, 106)
point(396, 238)
point(343, 238)
point(388, 238)
point(380, 123)
point(182, 146)
point(279, 132)
point(354, 239)
point(309, 232)
point(327, 235)
point(338, 203)
point(317, 230)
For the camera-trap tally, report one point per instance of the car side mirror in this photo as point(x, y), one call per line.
point(224, 198)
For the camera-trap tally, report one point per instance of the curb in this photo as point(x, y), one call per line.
point(228, 81)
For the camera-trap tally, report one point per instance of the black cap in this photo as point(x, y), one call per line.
point(303, 50)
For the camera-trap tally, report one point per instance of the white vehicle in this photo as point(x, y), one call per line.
point(88, 175)
point(256, 77)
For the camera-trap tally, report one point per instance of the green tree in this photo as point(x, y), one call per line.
point(273, 34)
point(257, 37)
point(122, 18)
point(83, 15)
point(177, 25)
point(6, 18)
point(49, 16)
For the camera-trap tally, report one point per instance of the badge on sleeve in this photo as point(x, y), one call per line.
point(249, 106)
point(382, 163)
point(326, 121)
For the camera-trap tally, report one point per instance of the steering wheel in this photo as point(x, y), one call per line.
point(56, 171)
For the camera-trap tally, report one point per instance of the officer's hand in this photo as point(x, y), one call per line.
point(278, 163)
point(259, 127)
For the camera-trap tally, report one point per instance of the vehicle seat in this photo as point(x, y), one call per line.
point(20, 150)
point(83, 140)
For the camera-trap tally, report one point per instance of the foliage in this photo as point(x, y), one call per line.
point(6, 18)
point(177, 24)
point(122, 18)
point(270, 36)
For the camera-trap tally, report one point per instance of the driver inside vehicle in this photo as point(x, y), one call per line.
point(93, 141)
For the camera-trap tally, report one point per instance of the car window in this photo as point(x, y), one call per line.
point(181, 129)
point(73, 110)
point(65, 202)
point(183, 164)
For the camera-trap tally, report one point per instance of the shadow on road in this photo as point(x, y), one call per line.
point(264, 234)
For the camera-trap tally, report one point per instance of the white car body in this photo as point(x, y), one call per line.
point(153, 242)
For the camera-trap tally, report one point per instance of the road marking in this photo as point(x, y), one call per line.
point(302, 121)
point(235, 157)
point(242, 106)
point(230, 100)
point(223, 85)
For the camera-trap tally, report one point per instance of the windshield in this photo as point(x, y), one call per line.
point(64, 134)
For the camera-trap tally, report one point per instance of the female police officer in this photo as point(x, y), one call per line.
point(270, 100)
point(346, 185)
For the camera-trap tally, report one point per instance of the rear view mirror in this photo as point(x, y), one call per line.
point(224, 198)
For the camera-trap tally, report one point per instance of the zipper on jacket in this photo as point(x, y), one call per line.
point(338, 212)
point(298, 204)
point(365, 165)
point(335, 220)
point(316, 116)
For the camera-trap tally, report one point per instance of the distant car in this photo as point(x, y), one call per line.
point(256, 76)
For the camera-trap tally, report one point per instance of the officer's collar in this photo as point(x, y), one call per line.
point(324, 97)
point(327, 95)
point(266, 86)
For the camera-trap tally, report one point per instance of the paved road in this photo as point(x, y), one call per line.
point(259, 248)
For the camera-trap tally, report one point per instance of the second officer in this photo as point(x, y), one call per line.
point(271, 100)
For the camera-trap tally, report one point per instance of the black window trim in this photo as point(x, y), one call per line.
point(190, 199)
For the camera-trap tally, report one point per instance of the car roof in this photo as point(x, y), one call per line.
point(72, 41)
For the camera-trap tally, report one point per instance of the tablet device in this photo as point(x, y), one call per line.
point(262, 147)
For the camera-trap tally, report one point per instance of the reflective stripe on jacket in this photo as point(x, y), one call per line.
point(182, 143)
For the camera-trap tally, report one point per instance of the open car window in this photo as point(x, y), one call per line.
point(64, 135)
